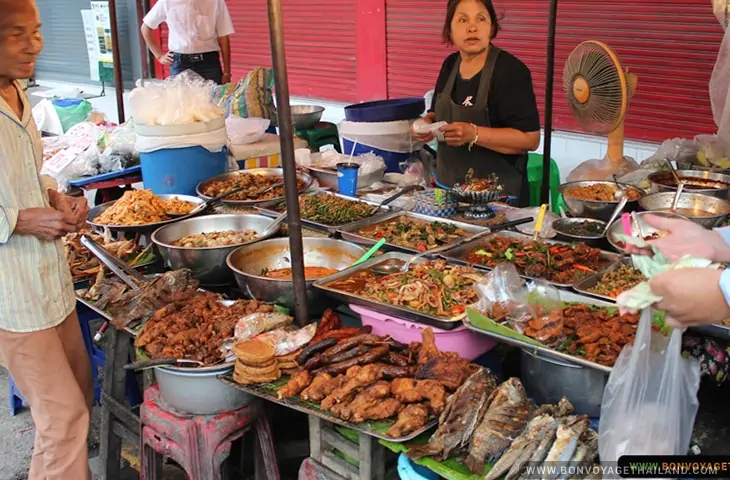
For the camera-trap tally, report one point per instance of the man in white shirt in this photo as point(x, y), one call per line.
point(199, 35)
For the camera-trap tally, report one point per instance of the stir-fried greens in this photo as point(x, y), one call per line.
point(618, 280)
point(562, 263)
point(434, 288)
point(332, 210)
point(413, 233)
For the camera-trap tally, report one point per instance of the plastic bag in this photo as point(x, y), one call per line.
point(602, 169)
point(674, 149)
point(258, 323)
point(387, 136)
point(184, 99)
point(369, 162)
point(46, 118)
point(650, 401)
point(288, 341)
point(720, 79)
point(545, 321)
point(243, 131)
point(119, 149)
point(502, 294)
point(72, 111)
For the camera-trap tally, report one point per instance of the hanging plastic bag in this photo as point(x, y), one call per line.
point(650, 401)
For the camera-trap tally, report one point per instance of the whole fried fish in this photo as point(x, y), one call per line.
point(508, 413)
point(566, 441)
point(524, 446)
point(585, 453)
point(463, 412)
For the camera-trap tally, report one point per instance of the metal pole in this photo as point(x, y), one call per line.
point(286, 131)
point(549, 81)
point(116, 60)
point(145, 54)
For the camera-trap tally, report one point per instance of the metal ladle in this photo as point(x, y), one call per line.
point(677, 194)
point(676, 176)
point(619, 208)
point(392, 198)
point(398, 267)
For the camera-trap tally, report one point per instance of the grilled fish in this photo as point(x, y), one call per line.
point(585, 453)
point(566, 441)
point(464, 410)
point(524, 446)
point(508, 413)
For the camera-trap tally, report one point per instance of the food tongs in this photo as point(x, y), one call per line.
point(119, 267)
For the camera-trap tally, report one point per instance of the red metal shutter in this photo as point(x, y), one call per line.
point(670, 44)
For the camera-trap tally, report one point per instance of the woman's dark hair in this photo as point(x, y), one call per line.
point(451, 11)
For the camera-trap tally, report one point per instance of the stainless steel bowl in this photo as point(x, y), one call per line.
point(278, 172)
point(99, 209)
point(208, 264)
point(718, 208)
point(663, 181)
point(303, 117)
point(560, 227)
point(579, 207)
point(198, 390)
point(249, 261)
point(618, 228)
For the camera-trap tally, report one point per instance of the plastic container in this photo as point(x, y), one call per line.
point(407, 470)
point(461, 340)
point(390, 140)
point(347, 178)
point(386, 110)
point(180, 170)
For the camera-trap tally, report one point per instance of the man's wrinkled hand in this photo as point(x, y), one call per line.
point(77, 207)
point(45, 223)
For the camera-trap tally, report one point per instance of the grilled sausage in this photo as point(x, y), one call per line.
point(365, 359)
point(345, 345)
point(396, 359)
point(313, 348)
point(346, 355)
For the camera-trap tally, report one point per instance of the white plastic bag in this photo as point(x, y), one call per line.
point(650, 401)
point(243, 131)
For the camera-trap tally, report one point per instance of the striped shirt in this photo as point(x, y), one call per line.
point(36, 289)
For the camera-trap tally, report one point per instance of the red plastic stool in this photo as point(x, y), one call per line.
point(199, 443)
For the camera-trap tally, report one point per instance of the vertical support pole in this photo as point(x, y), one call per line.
point(549, 85)
point(117, 61)
point(286, 131)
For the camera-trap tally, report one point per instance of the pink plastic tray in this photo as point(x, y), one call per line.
point(461, 340)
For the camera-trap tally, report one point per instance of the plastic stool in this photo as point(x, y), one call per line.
point(534, 177)
point(15, 398)
point(198, 443)
point(324, 133)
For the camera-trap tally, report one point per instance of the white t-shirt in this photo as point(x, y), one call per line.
point(194, 25)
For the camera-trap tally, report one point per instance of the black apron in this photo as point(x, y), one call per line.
point(453, 163)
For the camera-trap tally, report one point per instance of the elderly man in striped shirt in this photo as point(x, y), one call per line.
point(40, 338)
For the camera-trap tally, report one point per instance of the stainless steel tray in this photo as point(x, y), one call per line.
point(459, 254)
point(565, 296)
point(582, 286)
point(278, 172)
point(275, 210)
point(386, 308)
point(149, 227)
point(267, 391)
point(350, 232)
point(718, 331)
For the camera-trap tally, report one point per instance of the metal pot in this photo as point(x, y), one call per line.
point(600, 210)
point(303, 117)
point(617, 227)
point(547, 380)
point(207, 264)
point(198, 390)
point(249, 261)
point(664, 182)
point(717, 207)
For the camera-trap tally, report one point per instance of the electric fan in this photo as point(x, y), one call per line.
point(598, 89)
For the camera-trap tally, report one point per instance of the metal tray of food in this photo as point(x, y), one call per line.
point(385, 308)
point(350, 232)
point(105, 315)
point(277, 172)
point(275, 210)
point(268, 391)
point(148, 227)
point(567, 297)
point(459, 254)
point(582, 286)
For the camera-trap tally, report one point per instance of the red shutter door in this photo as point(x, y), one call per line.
point(670, 44)
point(319, 38)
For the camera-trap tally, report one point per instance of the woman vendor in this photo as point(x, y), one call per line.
point(485, 95)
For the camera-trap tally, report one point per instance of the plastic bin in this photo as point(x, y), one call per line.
point(461, 340)
point(180, 170)
point(386, 110)
point(390, 140)
point(534, 177)
point(407, 470)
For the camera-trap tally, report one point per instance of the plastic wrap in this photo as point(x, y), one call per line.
point(650, 402)
point(243, 131)
point(673, 149)
point(287, 341)
point(257, 323)
point(179, 100)
point(602, 169)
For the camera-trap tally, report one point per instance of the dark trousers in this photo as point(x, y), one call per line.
point(207, 65)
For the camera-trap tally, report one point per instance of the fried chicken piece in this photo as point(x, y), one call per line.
point(298, 382)
point(410, 419)
point(410, 390)
point(450, 372)
point(368, 398)
point(384, 409)
point(315, 391)
point(335, 408)
point(357, 379)
point(428, 349)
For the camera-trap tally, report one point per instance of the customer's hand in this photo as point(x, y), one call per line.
point(691, 296)
point(685, 237)
point(166, 58)
point(459, 133)
point(423, 137)
point(45, 223)
point(78, 207)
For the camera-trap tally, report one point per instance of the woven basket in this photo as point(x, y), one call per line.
point(435, 203)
